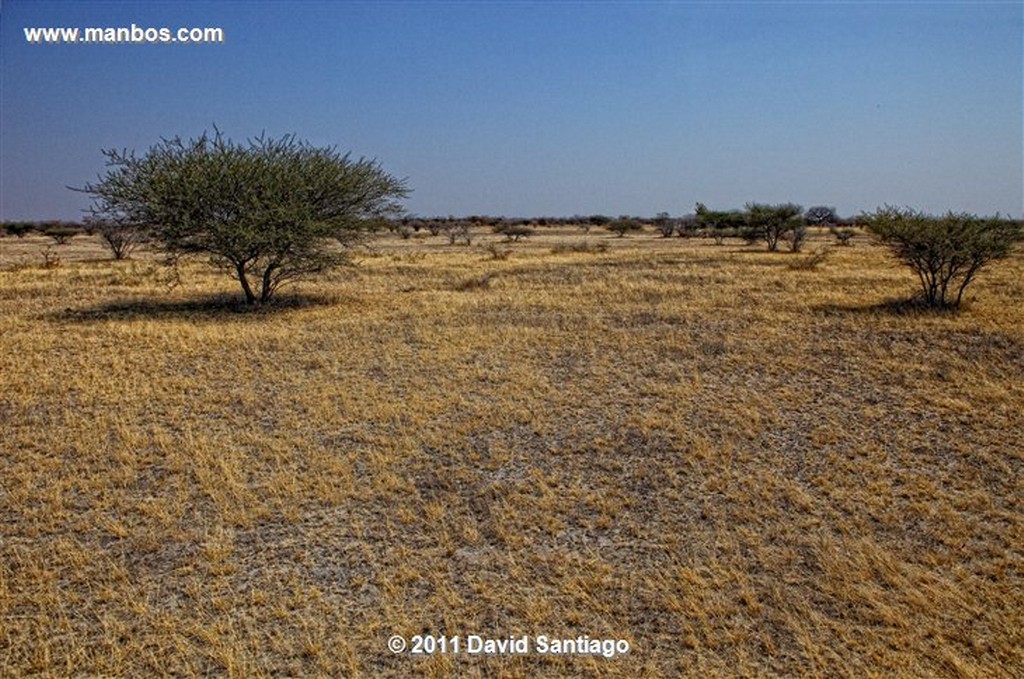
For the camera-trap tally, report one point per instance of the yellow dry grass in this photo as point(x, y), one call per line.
point(740, 467)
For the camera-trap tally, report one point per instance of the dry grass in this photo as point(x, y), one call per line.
point(741, 468)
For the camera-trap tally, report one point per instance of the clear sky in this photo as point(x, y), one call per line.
point(533, 108)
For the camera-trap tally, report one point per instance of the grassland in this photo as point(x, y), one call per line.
point(740, 467)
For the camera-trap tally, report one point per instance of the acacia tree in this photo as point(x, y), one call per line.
point(945, 252)
point(267, 211)
point(771, 223)
point(821, 215)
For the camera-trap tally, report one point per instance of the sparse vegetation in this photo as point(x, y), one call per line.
point(946, 253)
point(624, 225)
point(741, 469)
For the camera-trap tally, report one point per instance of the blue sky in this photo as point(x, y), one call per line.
point(530, 108)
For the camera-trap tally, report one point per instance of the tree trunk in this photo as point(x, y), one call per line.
point(250, 298)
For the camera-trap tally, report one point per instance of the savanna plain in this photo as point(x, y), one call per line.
point(741, 464)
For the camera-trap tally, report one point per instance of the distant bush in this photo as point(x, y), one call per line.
point(771, 223)
point(498, 252)
point(624, 225)
point(458, 231)
point(843, 234)
point(18, 229)
point(120, 238)
point(820, 215)
point(717, 223)
point(595, 220)
point(720, 234)
point(60, 232)
point(947, 252)
point(665, 225)
point(50, 259)
point(687, 226)
point(512, 231)
point(796, 236)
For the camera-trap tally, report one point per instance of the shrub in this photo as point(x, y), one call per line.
point(720, 234)
point(60, 232)
point(665, 225)
point(513, 232)
point(795, 236)
point(595, 220)
point(820, 215)
point(458, 231)
point(624, 225)
point(718, 224)
point(498, 252)
point(771, 222)
point(50, 259)
point(687, 226)
point(19, 229)
point(947, 252)
point(120, 238)
point(843, 235)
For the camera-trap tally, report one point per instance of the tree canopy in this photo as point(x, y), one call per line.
point(269, 211)
point(945, 252)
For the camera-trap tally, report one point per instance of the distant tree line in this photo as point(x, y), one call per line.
point(945, 252)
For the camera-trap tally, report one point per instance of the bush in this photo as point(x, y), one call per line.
point(717, 223)
point(665, 225)
point(795, 236)
point(843, 235)
point(820, 215)
point(624, 225)
point(513, 232)
point(458, 231)
point(60, 232)
point(771, 223)
point(947, 252)
point(498, 252)
point(120, 238)
point(720, 234)
point(687, 226)
point(19, 229)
